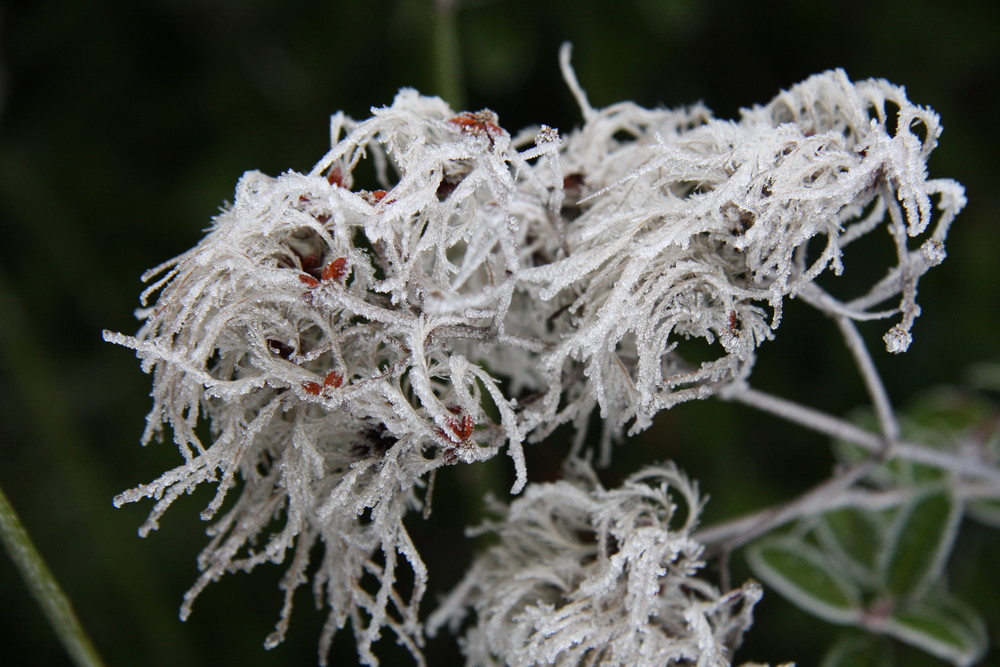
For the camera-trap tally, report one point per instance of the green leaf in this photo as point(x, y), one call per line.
point(859, 651)
point(944, 627)
point(801, 573)
point(857, 537)
point(920, 543)
point(949, 410)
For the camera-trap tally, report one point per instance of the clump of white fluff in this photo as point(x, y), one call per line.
point(584, 575)
point(345, 337)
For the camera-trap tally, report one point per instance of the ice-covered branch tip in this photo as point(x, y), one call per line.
point(345, 337)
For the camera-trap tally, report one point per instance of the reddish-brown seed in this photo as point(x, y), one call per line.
point(477, 122)
point(336, 269)
point(313, 388)
point(309, 281)
point(463, 429)
point(335, 177)
point(333, 379)
point(375, 196)
point(572, 181)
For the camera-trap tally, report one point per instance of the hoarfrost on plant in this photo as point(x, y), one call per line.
point(344, 340)
point(583, 575)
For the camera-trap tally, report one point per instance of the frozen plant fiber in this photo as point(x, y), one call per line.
point(345, 338)
point(588, 576)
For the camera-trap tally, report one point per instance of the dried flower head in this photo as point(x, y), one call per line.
point(326, 334)
point(588, 576)
point(686, 227)
point(344, 338)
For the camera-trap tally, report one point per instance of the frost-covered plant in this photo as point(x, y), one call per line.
point(436, 290)
point(321, 331)
point(691, 228)
point(588, 576)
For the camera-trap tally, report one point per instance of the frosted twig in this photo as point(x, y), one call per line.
point(732, 534)
point(961, 465)
point(873, 382)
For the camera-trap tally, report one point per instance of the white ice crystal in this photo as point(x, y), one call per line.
point(588, 576)
point(345, 337)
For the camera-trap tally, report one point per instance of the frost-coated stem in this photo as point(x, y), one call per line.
point(836, 493)
point(734, 533)
point(965, 466)
point(811, 418)
point(873, 383)
point(44, 587)
point(806, 416)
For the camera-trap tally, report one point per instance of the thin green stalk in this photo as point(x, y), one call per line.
point(447, 59)
point(44, 587)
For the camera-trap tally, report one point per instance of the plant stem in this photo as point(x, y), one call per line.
point(872, 380)
point(731, 535)
point(964, 465)
point(447, 61)
point(44, 587)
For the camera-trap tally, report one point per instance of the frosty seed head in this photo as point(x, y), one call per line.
point(345, 337)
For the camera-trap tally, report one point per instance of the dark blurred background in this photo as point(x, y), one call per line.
point(124, 126)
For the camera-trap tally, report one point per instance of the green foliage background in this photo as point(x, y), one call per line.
point(125, 124)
